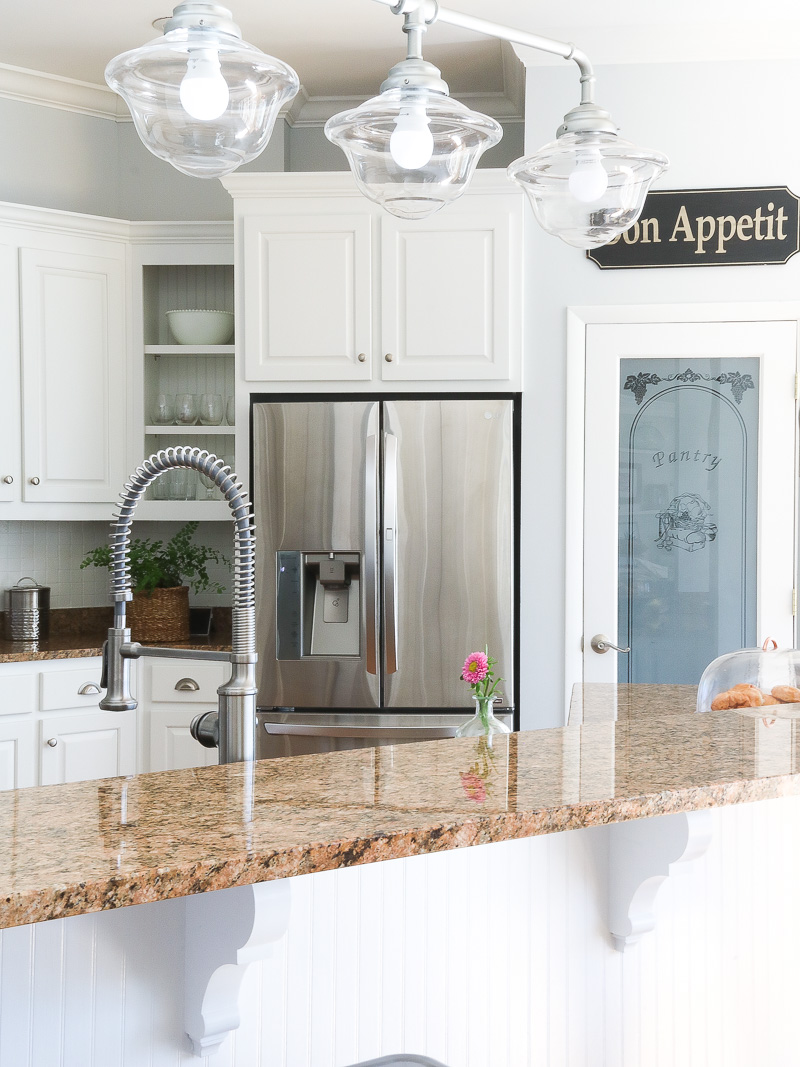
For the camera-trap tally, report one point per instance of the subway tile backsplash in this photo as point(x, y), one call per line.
point(51, 552)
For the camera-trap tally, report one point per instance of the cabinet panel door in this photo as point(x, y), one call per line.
point(75, 748)
point(17, 758)
point(10, 441)
point(307, 300)
point(73, 374)
point(172, 747)
point(449, 296)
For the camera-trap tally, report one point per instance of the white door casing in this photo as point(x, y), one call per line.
point(598, 338)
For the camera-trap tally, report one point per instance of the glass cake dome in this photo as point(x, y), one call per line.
point(753, 678)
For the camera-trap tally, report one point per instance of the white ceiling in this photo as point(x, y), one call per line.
point(345, 47)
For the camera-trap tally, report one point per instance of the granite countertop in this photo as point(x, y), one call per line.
point(76, 633)
point(70, 849)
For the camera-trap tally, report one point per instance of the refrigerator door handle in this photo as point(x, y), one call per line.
point(390, 550)
point(417, 733)
point(371, 553)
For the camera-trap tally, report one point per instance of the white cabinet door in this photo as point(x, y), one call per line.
point(307, 297)
point(450, 294)
point(99, 744)
point(17, 755)
point(73, 372)
point(172, 747)
point(10, 444)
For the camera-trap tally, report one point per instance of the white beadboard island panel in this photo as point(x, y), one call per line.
point(494, 956)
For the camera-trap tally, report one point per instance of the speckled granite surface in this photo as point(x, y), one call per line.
point(66, 850)
point(79, 632)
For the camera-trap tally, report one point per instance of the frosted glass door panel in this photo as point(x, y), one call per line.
point(688, 499)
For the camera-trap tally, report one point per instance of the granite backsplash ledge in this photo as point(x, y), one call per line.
point(78, 632)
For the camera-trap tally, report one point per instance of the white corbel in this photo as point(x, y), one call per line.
point(225, 932)
point(640, 854)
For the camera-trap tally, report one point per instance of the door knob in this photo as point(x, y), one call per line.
point(34, 480)
point(8, 479)
point(388, 357)
point(601, 644)
point(52, 741)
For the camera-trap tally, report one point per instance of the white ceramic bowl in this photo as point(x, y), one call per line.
point(201, 327)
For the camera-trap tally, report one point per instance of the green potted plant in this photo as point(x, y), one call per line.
point(159, 610)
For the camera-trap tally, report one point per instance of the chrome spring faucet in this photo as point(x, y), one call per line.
point(232, 727)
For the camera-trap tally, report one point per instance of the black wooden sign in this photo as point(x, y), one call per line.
point(707, 228)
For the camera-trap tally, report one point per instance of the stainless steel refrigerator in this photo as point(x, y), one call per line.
point(385, 555)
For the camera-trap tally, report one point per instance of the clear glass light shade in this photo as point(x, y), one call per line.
point(202, 99)
point(412, 150)
point(587, 188)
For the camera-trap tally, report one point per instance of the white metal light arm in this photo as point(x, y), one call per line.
point(589, 185)
point(432, 12)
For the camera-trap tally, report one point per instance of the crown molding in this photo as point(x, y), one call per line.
point(98, 101)
point(66, 94)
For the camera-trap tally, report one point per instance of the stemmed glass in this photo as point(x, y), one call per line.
point(210, 486)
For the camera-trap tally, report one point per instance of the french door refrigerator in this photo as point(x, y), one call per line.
point(386, 553)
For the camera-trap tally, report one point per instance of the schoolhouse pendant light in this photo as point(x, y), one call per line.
point(413, 149)
point(202, 98)
point(589, 185)
point(205, 101)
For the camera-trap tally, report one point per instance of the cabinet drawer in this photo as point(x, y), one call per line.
point(17, 694)
point(71, 688)
point(186, 682)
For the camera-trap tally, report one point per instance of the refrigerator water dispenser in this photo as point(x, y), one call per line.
point(318, 604)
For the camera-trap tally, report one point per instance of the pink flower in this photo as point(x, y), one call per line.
point(476, 667)
point(474, 787)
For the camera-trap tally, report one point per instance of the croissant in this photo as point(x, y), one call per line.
point(743, 697)
point(786, 694)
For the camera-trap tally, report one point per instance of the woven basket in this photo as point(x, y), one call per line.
point(162, 615)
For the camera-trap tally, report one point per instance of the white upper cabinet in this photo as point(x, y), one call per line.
point(73, 373)
point(63, 358)
point(333, 289)
point(307, 292)
point(449, 309)
point(10, 441)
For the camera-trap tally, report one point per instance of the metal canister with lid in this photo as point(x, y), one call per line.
point(27, 611)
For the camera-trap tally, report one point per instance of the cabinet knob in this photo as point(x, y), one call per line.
point(8, 479)
point(362, 357)
point(186, 685)
point(34, 480)
point(388, 357)
point(88, 688)
point(52, 741)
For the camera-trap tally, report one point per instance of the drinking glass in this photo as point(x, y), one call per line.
point(160, 487)
point(181, 484)
point(163, 413)
point(230, 411)
point(186, 410)
point(211, 409)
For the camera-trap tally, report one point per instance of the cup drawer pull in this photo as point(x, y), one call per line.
point(88, 689)
point(186, 685)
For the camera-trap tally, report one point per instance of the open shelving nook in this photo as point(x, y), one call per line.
point(178, 275)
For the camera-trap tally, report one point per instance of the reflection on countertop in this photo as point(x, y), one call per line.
point(70, 849)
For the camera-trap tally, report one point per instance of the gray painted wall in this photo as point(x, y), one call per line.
point(95, 166)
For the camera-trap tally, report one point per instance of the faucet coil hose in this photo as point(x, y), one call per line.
point(214, 468)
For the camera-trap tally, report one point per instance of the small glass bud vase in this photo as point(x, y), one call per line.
point(483, 723)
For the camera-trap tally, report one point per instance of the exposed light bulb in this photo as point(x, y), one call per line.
point(204, 92)
point(411, 143)
point(589, 179)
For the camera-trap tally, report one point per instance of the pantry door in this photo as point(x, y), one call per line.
point(687, 476)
